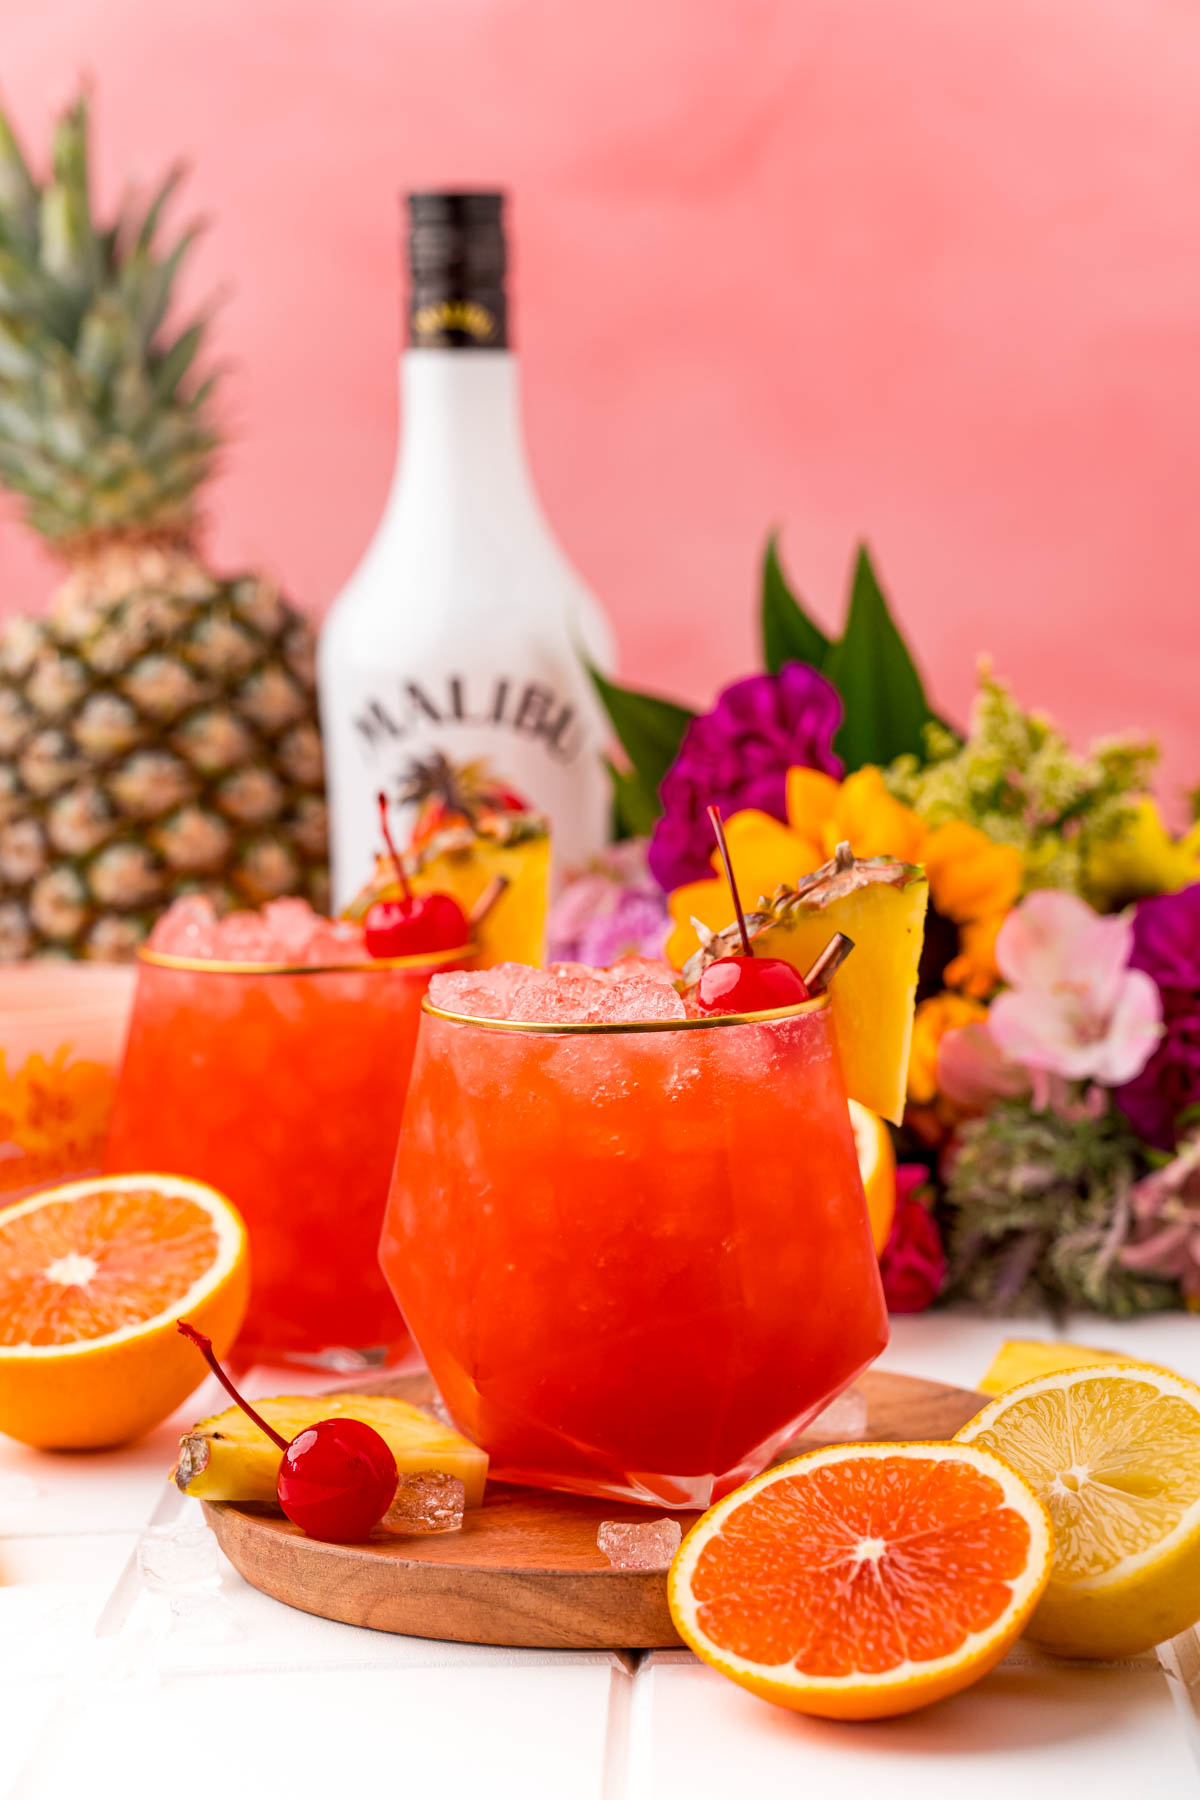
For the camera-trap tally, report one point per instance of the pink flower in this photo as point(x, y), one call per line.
point(974, 1071)
point(913, 1264)
point(1073, 1006)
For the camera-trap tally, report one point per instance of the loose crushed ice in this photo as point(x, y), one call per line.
point(174, 1559)
point(285, 931)
point(633, 990)
point(426, 1503)
point(628, 1544)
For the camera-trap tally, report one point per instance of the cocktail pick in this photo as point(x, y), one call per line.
point(746, 983)
point(818, 978)
point(416, 924)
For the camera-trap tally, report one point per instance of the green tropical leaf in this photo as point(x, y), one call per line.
point(886, 708)
point(649, 729)
point(635, 807)
point(788, 634)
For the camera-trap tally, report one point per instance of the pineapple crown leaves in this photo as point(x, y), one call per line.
point(103, 430)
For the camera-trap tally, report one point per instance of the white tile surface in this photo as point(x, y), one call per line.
point(1034, 1732)
point(102, 1693)
point(92, 1558)
point(952, 1347)
point(508, 1733)
point(1172, 1339)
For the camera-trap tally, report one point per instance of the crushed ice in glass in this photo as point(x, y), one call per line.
point(426, 1503)
point(634, 991)
point(844, 1420)
point(285, 931)
point(629, 1544)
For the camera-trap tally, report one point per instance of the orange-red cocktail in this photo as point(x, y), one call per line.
point(636, 1256)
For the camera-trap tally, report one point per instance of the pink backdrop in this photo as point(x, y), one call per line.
point(927, 272)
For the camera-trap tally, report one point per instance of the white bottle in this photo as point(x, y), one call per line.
point(464, 629)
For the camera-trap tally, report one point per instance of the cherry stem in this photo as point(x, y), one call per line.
point(204, 1346)
point(382, 800)
point(488, 899)
point(714, 816)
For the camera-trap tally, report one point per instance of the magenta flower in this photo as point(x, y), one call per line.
point(1073, 1007)
point(737, 756)
point(1166, 948)
point(913, 1264)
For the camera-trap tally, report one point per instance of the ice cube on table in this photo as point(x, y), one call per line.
point(177, 1559)
point(426, 1503)
point(630, 1544)
point(844, 1420)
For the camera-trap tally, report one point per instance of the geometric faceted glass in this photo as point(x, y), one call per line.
point(636, 1257)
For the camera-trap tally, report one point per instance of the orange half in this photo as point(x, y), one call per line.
point(864, 1580)
point(93, 1277)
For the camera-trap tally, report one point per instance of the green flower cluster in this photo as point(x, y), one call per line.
point(1017, 779)
point(1037, 1209)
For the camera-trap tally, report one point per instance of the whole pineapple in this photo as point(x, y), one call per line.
point(158, 730)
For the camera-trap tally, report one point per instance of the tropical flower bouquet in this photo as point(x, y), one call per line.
point(1050, 1150)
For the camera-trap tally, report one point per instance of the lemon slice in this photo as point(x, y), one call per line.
point(1114, 1451)
point(877, 1166)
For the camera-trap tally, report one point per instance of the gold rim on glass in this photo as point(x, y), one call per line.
point(623, 1027)
point(207, 965)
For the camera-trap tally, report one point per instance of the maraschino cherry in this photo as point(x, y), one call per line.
point(417, 924)
point(337, 1478)
point(748, 983)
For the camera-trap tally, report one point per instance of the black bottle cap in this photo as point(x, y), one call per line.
point(457, 261)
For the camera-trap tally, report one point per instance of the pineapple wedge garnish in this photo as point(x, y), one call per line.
point(514, 929)
point(880, 904)
point(471, 828)
point(228, 1458)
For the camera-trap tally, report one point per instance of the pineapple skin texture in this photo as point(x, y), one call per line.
point(874, 992)
point(158, 737)
point(241, 1464)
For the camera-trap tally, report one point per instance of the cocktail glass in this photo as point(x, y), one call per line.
point(283, 1086)
point(636, 1257)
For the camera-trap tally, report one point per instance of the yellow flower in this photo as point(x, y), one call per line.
point(974, 968)
point(1142, 859)
point(54, 1115)
point(972, 881)
point(933, 1019)
point(970, 877)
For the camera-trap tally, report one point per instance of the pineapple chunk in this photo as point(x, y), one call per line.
point(228, 1458)
point(880, 904)
point(1026, 1359)
point(515, 928)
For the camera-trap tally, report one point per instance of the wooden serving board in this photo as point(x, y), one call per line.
point(525, 1568)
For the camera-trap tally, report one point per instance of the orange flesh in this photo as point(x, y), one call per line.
point(860, 1566)
point(148, 1248)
